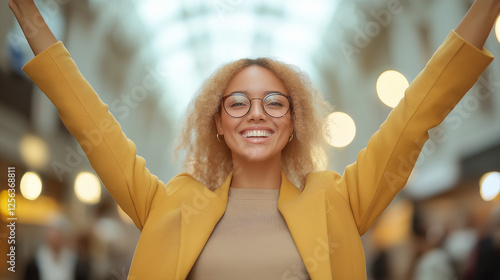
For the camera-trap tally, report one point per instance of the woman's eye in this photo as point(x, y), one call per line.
point(275, 103)
point(237, 101)
point(237, 104)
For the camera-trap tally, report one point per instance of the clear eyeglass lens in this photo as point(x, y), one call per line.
point(237, 105)
point(275, 105)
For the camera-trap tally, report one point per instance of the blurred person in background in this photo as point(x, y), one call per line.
point(432, 261)
point(254, 203)
point(380, 267)
point(485, 264)
point(55, 259)
point(460, 243)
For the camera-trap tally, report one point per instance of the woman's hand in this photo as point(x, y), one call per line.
point(477, 23)
point(36, 31)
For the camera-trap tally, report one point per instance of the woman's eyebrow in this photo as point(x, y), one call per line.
point(247, 93)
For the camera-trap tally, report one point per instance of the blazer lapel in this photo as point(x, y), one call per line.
point(199, 215)
point(305, 216)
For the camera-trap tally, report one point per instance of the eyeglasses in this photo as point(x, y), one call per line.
point(275, 104)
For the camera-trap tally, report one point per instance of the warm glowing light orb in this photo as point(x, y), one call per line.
point(339, 129)
point(391, 87)
point(489, 185)
point(497, 29)
point(88, 188)
point(34, 151)
point(31, 185)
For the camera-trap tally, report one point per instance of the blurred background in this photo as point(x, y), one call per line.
point(444, 225)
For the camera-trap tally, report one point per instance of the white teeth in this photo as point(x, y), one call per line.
point(256, 133)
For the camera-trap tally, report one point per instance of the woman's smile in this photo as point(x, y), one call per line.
point(257, 135)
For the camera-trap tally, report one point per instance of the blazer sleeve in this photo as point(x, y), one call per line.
point(111, 154)
point(383, 167)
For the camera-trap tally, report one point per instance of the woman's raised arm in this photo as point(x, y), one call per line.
point(33, 25)
point(477, 23)
point(383, 167)
point(112, 155)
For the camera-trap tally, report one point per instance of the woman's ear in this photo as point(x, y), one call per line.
point(218, 123)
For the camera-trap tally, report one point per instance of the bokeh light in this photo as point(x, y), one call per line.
point(489, 185)
point(391, 86)
point(339, 129)
point(88, 188)
point(34, 151)
point(31, 185)
point(497, 29)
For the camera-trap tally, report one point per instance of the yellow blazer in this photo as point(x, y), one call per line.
point(326, 219)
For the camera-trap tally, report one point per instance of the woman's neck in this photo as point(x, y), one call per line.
point(258, 175)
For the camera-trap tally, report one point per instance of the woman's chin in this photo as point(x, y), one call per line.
point(256, 156)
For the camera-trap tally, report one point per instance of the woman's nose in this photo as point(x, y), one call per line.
point(256, 110)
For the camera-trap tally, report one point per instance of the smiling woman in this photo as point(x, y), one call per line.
point(252, 204)
point(207, 156)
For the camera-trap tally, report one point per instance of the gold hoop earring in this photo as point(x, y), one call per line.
point(218, 137)
point(290, 139)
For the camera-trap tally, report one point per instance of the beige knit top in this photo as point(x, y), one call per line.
point(250, 241)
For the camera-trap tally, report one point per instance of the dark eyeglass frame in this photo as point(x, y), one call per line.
point(223, 99)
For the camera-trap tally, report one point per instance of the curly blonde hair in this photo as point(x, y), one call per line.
point(209, 160)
